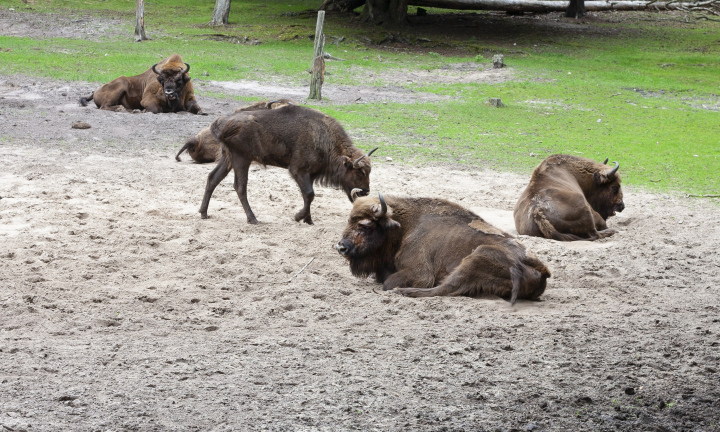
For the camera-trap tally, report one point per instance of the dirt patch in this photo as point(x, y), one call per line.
point(122, 310)
point(46, 26)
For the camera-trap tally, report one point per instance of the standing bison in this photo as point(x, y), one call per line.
point(163, 88)
point(431, 247)
point(569, 198)
point(311, 145)
point(204, 148)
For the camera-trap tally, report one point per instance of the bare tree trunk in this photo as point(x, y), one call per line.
point(553, 6)
point(140, 21)
point(389, 13)
point(318, 69)
point(576, 9)
point(221, 13)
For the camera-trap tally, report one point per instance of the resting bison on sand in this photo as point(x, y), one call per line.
point(569, 198)
point(163, 88)
point(311, 145)
point(431, 247)
point(204, 148)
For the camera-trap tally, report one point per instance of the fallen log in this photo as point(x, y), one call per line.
point(560, 6)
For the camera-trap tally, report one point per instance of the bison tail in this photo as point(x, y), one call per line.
point(548, 230)
point(84, 100)
point(527, 282)
point(190, 145)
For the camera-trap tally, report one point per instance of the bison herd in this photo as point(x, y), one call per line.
point(419, 247)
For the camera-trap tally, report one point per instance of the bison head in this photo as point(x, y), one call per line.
point(371, 236)
point(356, 178)
point(608, 197)
point(173, 80)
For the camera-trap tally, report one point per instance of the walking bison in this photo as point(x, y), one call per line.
point(204, 148)
point(163, 88)
point(426, 247)
point(311, 145)
point(569, 198)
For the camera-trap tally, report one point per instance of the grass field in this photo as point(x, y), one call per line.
point(643, 92)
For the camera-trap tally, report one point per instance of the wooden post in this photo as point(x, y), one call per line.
point(318, 68)
point(140, 21)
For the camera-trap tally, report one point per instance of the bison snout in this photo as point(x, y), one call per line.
point(342, 248)
point(620, 207)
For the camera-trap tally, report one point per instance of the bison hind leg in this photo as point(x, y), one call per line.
point(441, 290)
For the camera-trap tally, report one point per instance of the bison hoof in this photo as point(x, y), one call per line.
point(201, 112)
point(203, 215)
point(253, 221)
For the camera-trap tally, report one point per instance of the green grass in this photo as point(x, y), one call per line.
point(652, 84)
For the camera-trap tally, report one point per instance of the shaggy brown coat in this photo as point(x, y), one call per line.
point(569, 198)
point(311, 145)
point(163, 88)
point(204, 148)
point(426, 247)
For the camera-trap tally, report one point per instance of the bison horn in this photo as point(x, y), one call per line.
point(354, 193)
point(186, 70)
point(383, 207)
point(365, 155)
point(614, 170)
point(155, 70)
point(605, 161)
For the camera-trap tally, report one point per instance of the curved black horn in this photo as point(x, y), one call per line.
point(614, 170)
point(155, 70)
point(354, 193)
point(365, 155)
point(383, 207)
point(188, 68)
point(605, 161)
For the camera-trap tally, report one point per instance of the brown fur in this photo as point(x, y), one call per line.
point(168, 91)
point(569, 198)
point(431, 247)
point(311, 145)
point(204, 148)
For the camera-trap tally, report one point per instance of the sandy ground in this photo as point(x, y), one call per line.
point(122, 310)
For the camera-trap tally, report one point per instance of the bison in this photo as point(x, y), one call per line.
point(204, 148)
point(163, 88)
point(311, 145)
point(425, 247)
point(569, 198)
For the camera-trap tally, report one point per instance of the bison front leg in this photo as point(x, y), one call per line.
point(194, 108)
point(214, 178)
point(308, 193)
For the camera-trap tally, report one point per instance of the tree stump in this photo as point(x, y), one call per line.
point(496, 102)
point(498, 61)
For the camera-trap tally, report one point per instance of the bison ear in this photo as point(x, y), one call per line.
point(600, 178)
point(347, 162)
point(389, 224)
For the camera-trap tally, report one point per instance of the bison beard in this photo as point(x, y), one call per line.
point(163, 88)
point(430, 247)
point(204, 148)
point(569, 198)
point(312, 146)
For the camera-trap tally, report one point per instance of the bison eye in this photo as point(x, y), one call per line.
point(616, 189)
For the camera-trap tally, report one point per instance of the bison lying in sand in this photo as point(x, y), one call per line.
point(311, 145)
point(569, 198)
point(204, 148)
point(431, 247)
point(163, 88)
